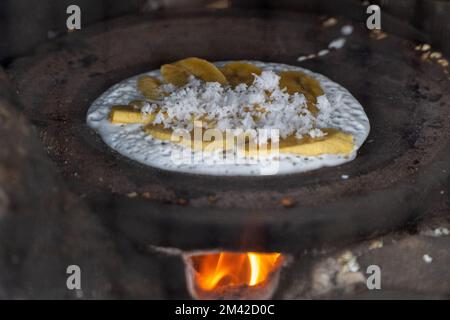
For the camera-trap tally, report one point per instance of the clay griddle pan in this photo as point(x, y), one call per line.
point(405, 159)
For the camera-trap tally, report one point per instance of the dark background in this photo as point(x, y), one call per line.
point(25, 24)
point(44, 227)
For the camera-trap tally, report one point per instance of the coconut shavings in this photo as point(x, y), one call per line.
point(262, 105)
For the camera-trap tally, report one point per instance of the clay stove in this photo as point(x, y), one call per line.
point(241, 220)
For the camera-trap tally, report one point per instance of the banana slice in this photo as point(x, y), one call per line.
point(335, 142)
point(175, 75)
point(158, 131)
point(150, 87)
point(128, 115)
point(202, 69)
point(240, 72)
point(296, 81)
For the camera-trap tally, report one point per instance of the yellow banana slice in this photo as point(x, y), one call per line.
point(202, 69)
point(296, 81)
point(176, 75)
point(150, 87)
point(240, 72)
point(334, 142)
point(158, 131)
point(128, 115)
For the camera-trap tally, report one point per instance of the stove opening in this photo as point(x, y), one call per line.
point(231, 275)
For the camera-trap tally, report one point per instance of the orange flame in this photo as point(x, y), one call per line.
point(227, 269)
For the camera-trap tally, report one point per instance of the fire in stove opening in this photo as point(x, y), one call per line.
point(232, 275)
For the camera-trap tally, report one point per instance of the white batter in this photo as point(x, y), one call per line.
point(131, 141)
